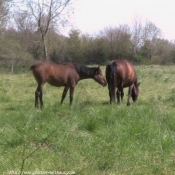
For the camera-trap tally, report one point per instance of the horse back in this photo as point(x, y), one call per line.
point(122, 72)
point(55, 74)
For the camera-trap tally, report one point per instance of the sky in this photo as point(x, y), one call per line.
point(92, 16)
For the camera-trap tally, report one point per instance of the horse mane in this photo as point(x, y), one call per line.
point(33, 66)
point(81, 69)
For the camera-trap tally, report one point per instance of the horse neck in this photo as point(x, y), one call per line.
point(136, 84)
point(85, 72)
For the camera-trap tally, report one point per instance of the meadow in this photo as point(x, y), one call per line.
point(92, 136)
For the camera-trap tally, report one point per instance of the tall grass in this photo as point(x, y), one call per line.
point(91, 136)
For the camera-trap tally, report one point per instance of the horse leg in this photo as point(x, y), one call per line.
point(129, 95)
point(64, 93)
point(118, 94)
point(122, 94)
point(36, 97)
point(41, 99)
point(71, 94)
point(38, 94)
point(110, 95)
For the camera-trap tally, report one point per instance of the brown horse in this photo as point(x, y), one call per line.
point(121, 74)
point(66, 75)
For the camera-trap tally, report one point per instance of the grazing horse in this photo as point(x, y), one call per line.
point(66, 75)
point(121, 74)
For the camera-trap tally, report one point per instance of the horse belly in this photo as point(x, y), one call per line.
point(128, 82)
point(56, 81)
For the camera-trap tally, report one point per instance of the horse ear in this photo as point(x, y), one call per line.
point(97, 70)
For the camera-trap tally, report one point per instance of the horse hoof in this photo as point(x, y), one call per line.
point(128, 104)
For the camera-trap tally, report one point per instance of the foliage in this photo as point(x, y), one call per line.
point(4, 11)
point(35, 34)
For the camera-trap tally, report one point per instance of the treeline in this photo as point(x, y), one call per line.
point(141, 43)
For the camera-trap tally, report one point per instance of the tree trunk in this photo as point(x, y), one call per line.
point(46, 57)
point(12, 67)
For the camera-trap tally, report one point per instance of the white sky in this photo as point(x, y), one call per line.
point(91, 16)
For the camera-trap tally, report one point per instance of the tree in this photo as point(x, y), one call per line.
point(47, 14)
point(87, 43)
point(118, 41)
point(144, 37)
point(26, 32)
point(136, 35)
point(99, 51)
point(150, 36)
point(74, 46)
point(57, 46)
point(172, 53)
point(4, 10)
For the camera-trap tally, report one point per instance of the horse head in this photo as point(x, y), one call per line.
point(98, 76)
point(135, 92)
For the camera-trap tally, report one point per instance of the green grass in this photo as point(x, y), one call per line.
point(91, 136)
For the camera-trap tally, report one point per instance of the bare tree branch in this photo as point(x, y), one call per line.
point(46, 13)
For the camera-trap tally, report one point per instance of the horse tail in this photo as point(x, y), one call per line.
point(113, 72)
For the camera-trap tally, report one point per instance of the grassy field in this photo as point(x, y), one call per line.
point(91, 137)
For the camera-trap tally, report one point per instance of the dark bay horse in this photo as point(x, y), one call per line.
point(121, 74)
point(66, 75)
